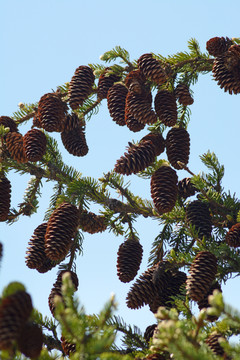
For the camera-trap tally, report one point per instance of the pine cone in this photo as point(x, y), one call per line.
point(213, 343)
point(140, 107)
point(6, 121)
point(201, 275)
point(80, 86)
point(142, 291)
point(129, 259)
point(218, 45)
point(183, 95)
point(51, 112)
point(135, 81)
point(186, 188)
point(67, 347)
point(157, 141)
point(14, 143)
point(204, 304)
point(178, 147)
point(34, 144)
point(74, 141)
point(5, 197)
point(36, 257)
point(30, 340)
point(232, 238)
point(105, 82)
point(198, 215)
point(72, 122)
point(15, 310)
point(166, 107)
point(116, 99)
point(137, 158)
point(226, 70)
point(91, 222)
point(61, 228)
point(36, 122)
point(57, 288)
point(133, 124)
point(164, 189)
point(152, 69)
point(148, 333)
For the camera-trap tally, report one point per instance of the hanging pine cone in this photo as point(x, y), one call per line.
point(67, 347)
point(34, 144)
point(152, 69)
point(6, 121)
point(226, 70)
point(204, 303)
point(183, 95)
point(14, 143)
point(74, 141)
point(36, 257)
point(198, 215)
point(72, 122)
point(157, 141)
point(5, 197)
point(201, 275)
point(15, 310)
point(91, 222)
point(30, 340)
point(140, 107)
point(57, 288)
point(232, 237)
point(51, 112)
point(186, 188)
point(178, 147)
point(218, 45)
point(80, 86)
point(164, 189)
point(116, 99)
point(133, 124)
point(135, 81)
point(148, 333)
point(61, 228)
point(137, 158)
point(105, 82)
point(166, 107)
point(129, 259)
point(213, 342)
point(142, 291)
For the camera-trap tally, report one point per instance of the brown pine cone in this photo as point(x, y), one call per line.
point(51, 112)
point(178, 146)
point(14, 143)
point(91, 222)
point(218, 45)
point(135, 81)
point(137, 158)
point(201, 275)
point(198, 215)
point(166, 107)
point(186, 188)
point(80, 86)
point(140, 107)
point(226, 70)
point(61, 228)
point(213, 343)
point(152, 69)
point(232, 237)
point(204, 304)
point(157, 141)
point(5, 197)
point(74, 141)
point(183, 95)
point(34, 144)
point(6, 121)
point(67, 347)
point(15, 310)
point(72, 122)
point(105, 82)
point(30, 340)
point(36, 257)
point(148, 333)
point(36, 122)
point(133, 124)
point(129, 259)
point(164, 189)
point(116, 99)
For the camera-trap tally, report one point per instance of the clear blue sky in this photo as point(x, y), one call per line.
point(42, 43)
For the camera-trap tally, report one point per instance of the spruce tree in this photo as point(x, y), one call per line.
point(196, 250)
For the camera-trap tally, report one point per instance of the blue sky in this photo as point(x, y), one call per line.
point(42, 43)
